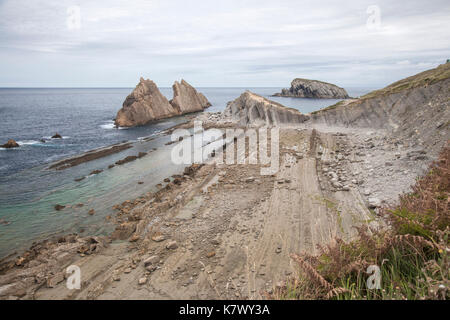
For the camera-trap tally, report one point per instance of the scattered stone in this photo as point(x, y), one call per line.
point(151, 260)
point(158, 238)
point(142, 281)
point(59, 207)
point(91, 212)
point(374, 203)
point(53, 281)
point(211, 254)
point(96, 172)
point(172, 245)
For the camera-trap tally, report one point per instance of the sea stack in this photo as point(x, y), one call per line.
point(251, 109)
point(146, 103)
point(304, 88)
point(186, 99)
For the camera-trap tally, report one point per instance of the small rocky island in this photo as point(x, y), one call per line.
point(146, 103)
point(304, 88)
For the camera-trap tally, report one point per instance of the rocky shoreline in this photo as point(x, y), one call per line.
point(223, 231)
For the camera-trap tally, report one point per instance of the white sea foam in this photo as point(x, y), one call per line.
point(110, 125)
point(28, 142)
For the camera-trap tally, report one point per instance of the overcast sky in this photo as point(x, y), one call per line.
point(212, 43)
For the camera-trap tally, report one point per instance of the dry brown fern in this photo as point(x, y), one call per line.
point(312, 273)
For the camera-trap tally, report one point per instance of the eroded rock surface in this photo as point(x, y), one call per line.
point(304, 88)
point(146, 103)
point(186, 99)
point(252, 109)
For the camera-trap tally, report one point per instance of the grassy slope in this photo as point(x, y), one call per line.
point(413, 255)
point(422, 79)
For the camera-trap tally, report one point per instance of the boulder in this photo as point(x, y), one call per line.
point(10, 144)
point(305, 88)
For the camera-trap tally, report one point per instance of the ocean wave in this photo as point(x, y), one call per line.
point(28, 142)
point(110, 125)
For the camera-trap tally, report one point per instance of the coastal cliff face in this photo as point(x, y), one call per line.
point(146, 103)
point(304, 88)
point(416, 109)
point(252, 109)
point(186, 99)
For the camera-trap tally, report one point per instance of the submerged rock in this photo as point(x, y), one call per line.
point(252, 109)
point(10, 144)
point(304, 88)
point(57, 136)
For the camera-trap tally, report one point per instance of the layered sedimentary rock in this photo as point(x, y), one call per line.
point(415, 109)
point(304, 88)
point(146, 103)
point(186, 99)
point(252, 109)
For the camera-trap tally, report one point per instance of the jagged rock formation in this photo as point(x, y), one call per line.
point(416, 109)
point(186, 99)
point(146, 103)
point(304, 88)
point(10, 144)
point(252, 109)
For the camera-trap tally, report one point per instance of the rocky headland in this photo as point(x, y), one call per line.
point(304, 88)
point(146, 103)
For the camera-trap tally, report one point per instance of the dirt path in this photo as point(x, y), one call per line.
point(234, 231)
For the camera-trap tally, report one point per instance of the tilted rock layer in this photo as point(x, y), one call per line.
point(304, 88)
point(187, 99)
point(146, 103)
point(252, 109)
point(416, 109)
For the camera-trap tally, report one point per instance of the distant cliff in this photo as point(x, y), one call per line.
point(146, 103)
point(304, 88)
point(252, 109)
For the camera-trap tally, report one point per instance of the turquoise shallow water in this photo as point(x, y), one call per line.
point(29, 192)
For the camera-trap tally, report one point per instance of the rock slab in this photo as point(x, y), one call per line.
point(252, 109)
